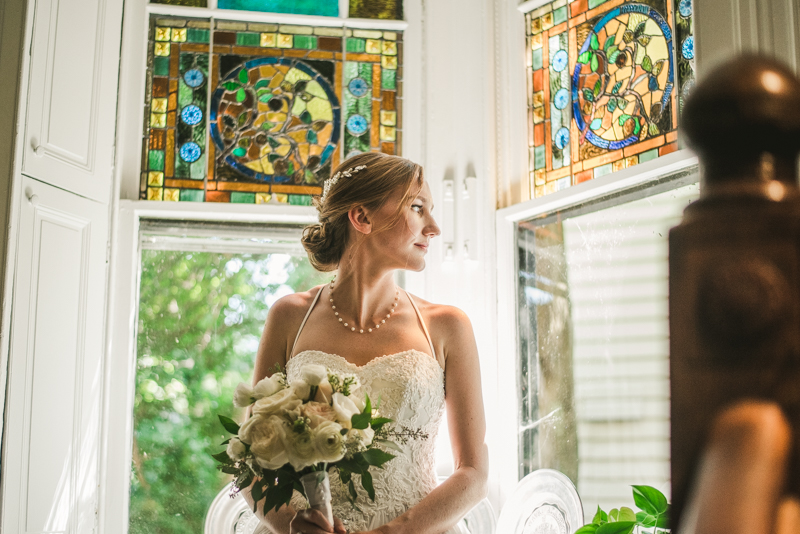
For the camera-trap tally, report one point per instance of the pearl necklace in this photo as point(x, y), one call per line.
point(353, 328)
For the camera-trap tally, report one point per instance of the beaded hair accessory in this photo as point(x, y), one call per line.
point(330, 182)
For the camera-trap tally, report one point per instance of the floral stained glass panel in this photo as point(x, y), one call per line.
point(283, 105)
point(376, 9)
point(326, 8)
point(602, 80)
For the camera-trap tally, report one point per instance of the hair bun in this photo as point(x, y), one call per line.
point(323, 245)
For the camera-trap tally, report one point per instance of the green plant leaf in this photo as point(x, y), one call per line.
point(663, 520)
point(588, 95)
point(243, 76)
point(229, 424)
point(594, 44)
point(595, 63)
point(645, 519)
point(230, 470)
point(626, 514)
point(600, 517)
point(613, 514)
point(619, 527)
point(585, 57)
point(389, 444)
point(587, 529)
point(352, 489)
point(241, 95)
point(226, 441)
point(223, 457)
point(650, 500)
point(366, 482)
point(361, 420)
point(376, 457)
point(647, 64)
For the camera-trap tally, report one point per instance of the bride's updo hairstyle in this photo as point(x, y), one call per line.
point(369, 187)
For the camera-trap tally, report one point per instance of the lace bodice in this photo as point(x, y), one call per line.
point(410, 386)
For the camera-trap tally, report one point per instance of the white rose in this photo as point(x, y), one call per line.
point(324, 392)
point(318, 412)
point(328, 441)
point(363, 437)
point(358, 401)
point(268, 442)
point(235, 449)
point(300, 449)
point(301, 389)
point(313, 373)
point(345, 409)
point(243, 396)
point(268, 386)
point(283, 401)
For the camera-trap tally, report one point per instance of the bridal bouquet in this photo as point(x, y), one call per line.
point(298, 431)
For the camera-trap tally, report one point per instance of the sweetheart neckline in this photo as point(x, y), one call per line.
point(373, 360)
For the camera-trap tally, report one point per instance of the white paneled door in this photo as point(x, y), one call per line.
point(72, 95)
point(53, 414)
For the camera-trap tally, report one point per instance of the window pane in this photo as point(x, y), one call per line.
point(594, 346)
point(326, 8)
point(602, 87)
point(281, 99)
point(188, 3)
point(376, 9)
point(200, 321)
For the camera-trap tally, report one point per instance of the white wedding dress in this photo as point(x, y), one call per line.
point(410, 385)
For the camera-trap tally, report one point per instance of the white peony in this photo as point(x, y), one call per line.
point(268, 386)
point(301, 389)
point(243, 396)
point(313, 374)
point(283, 401)
point(317, 413)
point(300, 449)
point(328, 441)
point(362, 437)
point(236, 449)
point(324, 392)
point(345, 409)
point(268, 442)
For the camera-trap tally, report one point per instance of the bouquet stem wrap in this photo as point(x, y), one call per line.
point(317, 486)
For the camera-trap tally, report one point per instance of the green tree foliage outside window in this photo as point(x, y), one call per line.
point(200, 319)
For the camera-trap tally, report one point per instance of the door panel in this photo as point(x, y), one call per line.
point(52, 430)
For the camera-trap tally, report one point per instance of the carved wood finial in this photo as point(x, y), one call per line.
point(743, 120)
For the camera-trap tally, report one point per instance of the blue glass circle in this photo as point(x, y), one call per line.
point(685, 8)
point(190, 152)
point(194, 78)
point(357, 125)
point(687, 49)
point(561, 99)
point(562, 138)
point(192, 115)
point(560, 60)
point(358, 87)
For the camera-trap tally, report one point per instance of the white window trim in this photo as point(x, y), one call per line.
point(507, 329)
point(120, 371)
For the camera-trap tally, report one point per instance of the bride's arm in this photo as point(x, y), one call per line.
point(456, 496)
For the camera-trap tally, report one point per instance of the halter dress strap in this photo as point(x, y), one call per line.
point(313, 302)
point(424, 326)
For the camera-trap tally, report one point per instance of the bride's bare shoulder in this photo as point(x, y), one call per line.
point(444, 320)
point(292, 308)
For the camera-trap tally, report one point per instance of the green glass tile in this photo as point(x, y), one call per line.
point(364, 106)
point(181, 167)
point(537, 59)
point(560, 15)
point(161, 66)
point(376, 9)
point(325, 8)
point(649, 155)
point(300, 200)
point(192, 195)
point(603, 170)
point(199, 134)
point(197, 35)
point(248, 39)
point(538, 157)
point(594, 3)
point(388, 79)
point(156, 160)
point(197, 170)
point(237, 197)
point(365, 71)
point(357, 46)
point(350, 105)
point(350, 71)
point(308, 42)
point(352, 142)
point(185, 94)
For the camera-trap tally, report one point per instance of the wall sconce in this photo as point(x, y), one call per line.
point(469, 219)
point(449, 219)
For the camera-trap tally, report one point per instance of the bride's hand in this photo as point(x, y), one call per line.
point(313, 522)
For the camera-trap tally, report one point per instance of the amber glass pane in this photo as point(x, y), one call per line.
point(603, 87)
point(376, 9)
point(327, 8)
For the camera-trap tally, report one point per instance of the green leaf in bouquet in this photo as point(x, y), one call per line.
point(650, 500)
point(617, 527)
point(366, 482)
point(223, 458)
point(376, 457)
point(587, 529)
point(600, 517)
point(229, 424)
point(361, 420)
point(352, 489)
point(351, 464)
point(389, 444)
point(225, 442)
point(244, 479)
point(378, 422)
point(345, 476)
point(228, 469)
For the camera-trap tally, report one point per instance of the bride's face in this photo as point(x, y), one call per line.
point(405, 243)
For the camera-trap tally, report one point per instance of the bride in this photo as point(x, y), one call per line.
point(375, 218)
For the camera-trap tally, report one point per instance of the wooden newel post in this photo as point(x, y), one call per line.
point(735, 260)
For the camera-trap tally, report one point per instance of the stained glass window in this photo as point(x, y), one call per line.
point(603, 86)
point(262, 117)
point(376, 9)
point(326, 8)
